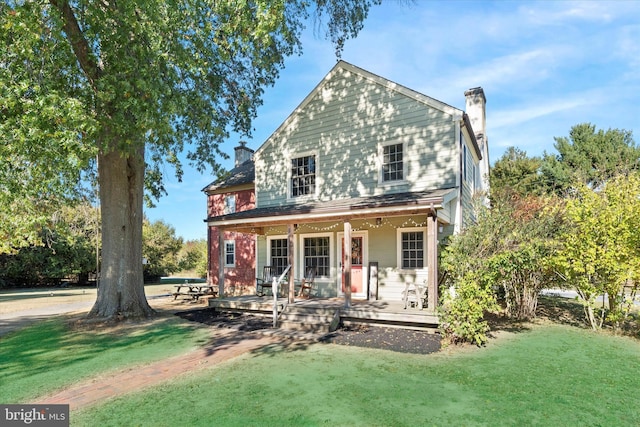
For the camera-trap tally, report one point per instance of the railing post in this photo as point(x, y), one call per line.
point(274, 291)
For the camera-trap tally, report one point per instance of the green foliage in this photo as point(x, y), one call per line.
point(503, 251)
point(516, 173)
point(66, 249)
point(160, 248)
point(159, 75)
point(463, 309)
point(600, 249)
point(193, 257)
point(589, 157)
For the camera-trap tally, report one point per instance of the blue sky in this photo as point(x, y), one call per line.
point(544, 66)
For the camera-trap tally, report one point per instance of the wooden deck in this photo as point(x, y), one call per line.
point(382, 313)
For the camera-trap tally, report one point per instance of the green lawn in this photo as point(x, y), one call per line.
point(547, 376)
point(41, 358)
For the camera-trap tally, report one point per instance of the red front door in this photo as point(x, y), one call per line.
point(357, 282)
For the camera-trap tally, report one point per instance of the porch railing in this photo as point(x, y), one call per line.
point(274, 290)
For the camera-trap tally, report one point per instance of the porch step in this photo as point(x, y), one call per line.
point(309, 319)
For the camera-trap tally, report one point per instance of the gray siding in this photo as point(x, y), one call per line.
point(344, 125)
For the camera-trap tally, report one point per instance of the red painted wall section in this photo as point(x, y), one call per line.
point(240, 279)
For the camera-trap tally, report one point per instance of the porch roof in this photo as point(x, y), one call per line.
point(360, 207)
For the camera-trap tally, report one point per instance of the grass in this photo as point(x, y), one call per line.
point(39, 359)
point(544, 375)
point(548, 375)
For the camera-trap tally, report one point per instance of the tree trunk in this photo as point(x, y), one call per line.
point(121, 292)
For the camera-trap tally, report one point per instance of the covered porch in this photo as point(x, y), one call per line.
point(366, 252)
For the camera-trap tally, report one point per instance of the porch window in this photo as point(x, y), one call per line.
point(412, 249)
point(316, 254)
point(279, 254)
point(303, 176)
point(229, 253)
point(392, 163)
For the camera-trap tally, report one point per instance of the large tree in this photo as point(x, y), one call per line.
point(589, 157)
point(133, 84)
point(515, 173)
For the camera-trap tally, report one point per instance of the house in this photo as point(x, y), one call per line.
point(360, 183)
point(234, 192)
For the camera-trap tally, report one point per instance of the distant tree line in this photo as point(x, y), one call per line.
point(567, 220)
point(68, 251)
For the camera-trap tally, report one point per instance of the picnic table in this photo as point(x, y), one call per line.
point(194, 290)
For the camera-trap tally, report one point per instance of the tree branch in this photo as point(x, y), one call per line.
point(79, 44)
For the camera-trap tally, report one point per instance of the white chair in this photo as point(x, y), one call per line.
point(414, 295)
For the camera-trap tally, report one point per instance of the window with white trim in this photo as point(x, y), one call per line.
point(229, 204)
point(229, 253)
point(303, 176)
point(279, 254)
point(317, 254)
point(411, 248)
point(392, 163)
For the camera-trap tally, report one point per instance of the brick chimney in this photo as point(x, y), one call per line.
point(243, 153)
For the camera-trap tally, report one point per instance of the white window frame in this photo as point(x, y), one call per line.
point(226, 253)
point(332, 256)
point(399, 247)
point(381, 148)
point(229, 204)
point(305, 197)
point(277, 237)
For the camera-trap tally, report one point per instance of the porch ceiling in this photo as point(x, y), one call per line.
point(388, 205)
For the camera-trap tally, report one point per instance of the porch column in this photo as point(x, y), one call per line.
point(432, 259)
point(220, 262)
point(290, 236)
point(209, 261)
point(346, 264)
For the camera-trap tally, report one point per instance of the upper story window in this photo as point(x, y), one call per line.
point(392, 163)
point(303, 176)
point(469, 169)
point(229, 204)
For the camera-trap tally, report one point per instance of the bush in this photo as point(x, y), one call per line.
point(462, 311)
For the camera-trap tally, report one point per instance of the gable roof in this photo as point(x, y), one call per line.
point(345, 66)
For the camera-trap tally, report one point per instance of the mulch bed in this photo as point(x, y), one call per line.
point(393, 339)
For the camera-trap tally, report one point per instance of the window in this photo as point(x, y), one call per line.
point(464, 162)
point(229, 204)
point(316, 254)
point(469, 169)
point(303, 176)
point(279, 252)
point(412, 249)
point(229, 253)
point(392, 163)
